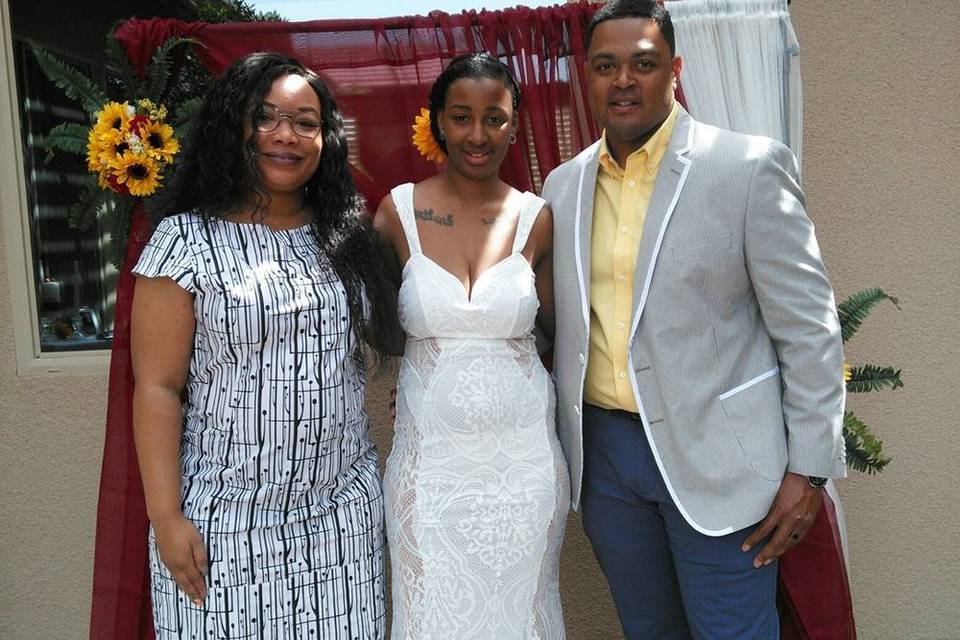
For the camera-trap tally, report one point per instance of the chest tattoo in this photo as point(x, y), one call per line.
point(427, 214)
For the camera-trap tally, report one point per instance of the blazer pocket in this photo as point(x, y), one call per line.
point(702, 247)
point(649, 395)
point(754, 414)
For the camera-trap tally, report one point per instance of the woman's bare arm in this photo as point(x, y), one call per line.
point(161, 342)
point(541, 237)
point(386, 223)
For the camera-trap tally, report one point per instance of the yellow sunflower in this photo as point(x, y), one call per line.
point(158, 141)
point(114, 115)
point(140, 174)
point(104, 143)
point(423, 137)
point(98, 152)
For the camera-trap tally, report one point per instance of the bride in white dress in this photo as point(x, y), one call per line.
point(476, 487)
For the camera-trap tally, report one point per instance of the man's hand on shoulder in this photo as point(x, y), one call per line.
point(790, 517)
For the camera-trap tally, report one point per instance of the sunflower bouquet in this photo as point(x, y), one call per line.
point(129, 147)
point(137, 126)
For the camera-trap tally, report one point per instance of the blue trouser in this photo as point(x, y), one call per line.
point(668, 580)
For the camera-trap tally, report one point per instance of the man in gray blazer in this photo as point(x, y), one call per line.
point(698, 356)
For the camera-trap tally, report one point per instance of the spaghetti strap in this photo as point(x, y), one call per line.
point(403, 200)
point(529, 210)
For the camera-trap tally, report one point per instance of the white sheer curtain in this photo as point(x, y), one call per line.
point(741, 66)
point(741, 71)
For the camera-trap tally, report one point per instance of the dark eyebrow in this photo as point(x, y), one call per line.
point(300, 109)
point(601, 56)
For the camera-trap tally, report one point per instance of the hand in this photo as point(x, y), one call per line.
point(790, 517)
point(181, 550)
point(392, 407)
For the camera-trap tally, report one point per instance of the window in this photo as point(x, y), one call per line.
point(61, 280)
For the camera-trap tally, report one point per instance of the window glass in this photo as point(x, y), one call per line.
point(74, 282)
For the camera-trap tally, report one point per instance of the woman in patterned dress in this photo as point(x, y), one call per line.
point(476, 486)
point(252, 295)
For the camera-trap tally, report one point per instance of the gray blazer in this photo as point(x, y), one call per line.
point(735, 352)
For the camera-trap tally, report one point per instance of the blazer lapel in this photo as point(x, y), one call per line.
point(666, 191)
point(584, 225)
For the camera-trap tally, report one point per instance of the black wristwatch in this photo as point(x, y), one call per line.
point(816, 481)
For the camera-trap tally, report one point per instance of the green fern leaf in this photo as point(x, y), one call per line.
point(871, 377)
point(854, 309)
point(120, 214)
point(71, 81)
point(864, 450)
point(83, 213)
point(118, 64)
point(160, 69)
point(183, 117)
point(66, 136)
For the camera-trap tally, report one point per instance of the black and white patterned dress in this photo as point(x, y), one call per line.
point(279, 473)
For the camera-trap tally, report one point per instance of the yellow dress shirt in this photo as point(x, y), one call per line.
point(619, 210)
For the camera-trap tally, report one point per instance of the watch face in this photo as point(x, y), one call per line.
point(816, 481)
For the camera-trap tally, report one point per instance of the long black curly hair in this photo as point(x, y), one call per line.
point(216, 174)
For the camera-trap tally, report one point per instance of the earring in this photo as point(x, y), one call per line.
point(442, 135)
point(513, 137)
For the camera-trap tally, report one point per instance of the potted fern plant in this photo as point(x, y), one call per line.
point(864, 450)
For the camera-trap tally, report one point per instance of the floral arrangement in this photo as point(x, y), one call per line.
point(133, 136)
point(423, 137)
point(129, 147)
point(864, 450)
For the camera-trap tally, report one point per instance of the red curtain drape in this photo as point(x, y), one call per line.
point(381, 72)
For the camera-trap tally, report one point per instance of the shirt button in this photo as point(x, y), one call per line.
point(621, 325)
point(632, 183)
point(621, 277)
point(622, 374)
point(624, 229)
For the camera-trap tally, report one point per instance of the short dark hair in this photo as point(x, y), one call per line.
point(468, 65)
point(647, 9)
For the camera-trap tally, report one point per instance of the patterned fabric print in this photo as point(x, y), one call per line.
point(279, 474)
point(476, 488)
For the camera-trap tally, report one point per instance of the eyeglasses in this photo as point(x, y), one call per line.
point(305, 125)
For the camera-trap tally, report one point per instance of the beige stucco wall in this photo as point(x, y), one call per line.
point(880, 171)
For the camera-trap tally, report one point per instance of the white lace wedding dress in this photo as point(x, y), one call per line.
point(476, 486)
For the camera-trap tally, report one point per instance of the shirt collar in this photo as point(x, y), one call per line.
point(652, 150)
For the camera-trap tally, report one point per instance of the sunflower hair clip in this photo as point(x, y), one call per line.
point(423, 137)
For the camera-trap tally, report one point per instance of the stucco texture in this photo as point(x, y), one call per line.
point(881, 176)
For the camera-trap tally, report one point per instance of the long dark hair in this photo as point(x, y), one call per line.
point(216, 173)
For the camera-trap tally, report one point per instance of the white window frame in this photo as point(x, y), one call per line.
point(14, 210)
